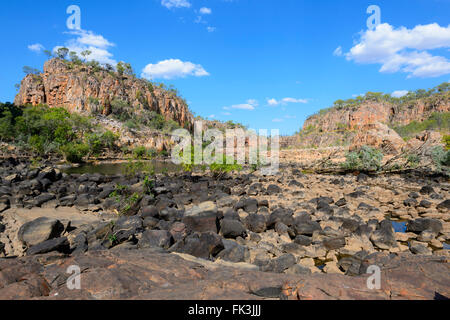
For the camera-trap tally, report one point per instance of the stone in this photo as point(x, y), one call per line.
point(178, 231)
point(422, 224)
point(149, 211)
point(234, 252)
point(126, 227)
point(384, 236)
point(298, 269)
point(280, 264)
point(341, 202)
point(306, 228)
point(256, 223)
point(419, 248)
point(444, 206)
point(303, 240)
point(250, 205)
point(202, 245)
point(156, 238)
point(40, 230)
point(232, 229)
point(334, 243)
point(425, 204)
point(273, 189)
point(426, 236)
point(410, 202)
point(426, 190)
point(58, 244)
point(202, 218)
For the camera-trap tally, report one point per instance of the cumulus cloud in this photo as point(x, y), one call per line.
point(173, 68)
point(205, 10)
point(211, 29)
point(399, 93)
point(169, 4)
point(250, 105)
point(88, 40)
point(37, 47)
point(404, 50)
point(285, 101)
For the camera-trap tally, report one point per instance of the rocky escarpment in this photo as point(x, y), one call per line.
point(91, 90)
point(369, 122)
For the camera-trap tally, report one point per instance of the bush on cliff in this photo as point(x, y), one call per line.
point(52, 130)
point(364, 159)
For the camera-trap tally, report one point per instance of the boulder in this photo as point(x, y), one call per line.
point(204, 245)
point(202, 218)
point(59, 244)
point(156, 238)
point(40, 230)
point(232, 229)
point(384, 236)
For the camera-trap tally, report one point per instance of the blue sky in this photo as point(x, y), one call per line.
point(264, 63)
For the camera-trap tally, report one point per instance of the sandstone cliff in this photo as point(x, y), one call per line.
point(369, 122)
point(86, 89)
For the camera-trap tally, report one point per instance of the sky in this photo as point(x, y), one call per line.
point(268, 64)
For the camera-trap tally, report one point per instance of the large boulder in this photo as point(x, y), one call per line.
point(384, 236)
point(202, 245)
point(202, 218)
point(423, 224)
point(40, 230)
point(380, 136)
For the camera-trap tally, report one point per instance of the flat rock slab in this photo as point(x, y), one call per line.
point(151, 274)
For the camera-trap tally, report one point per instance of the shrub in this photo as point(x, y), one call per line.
point(365, 159)
point(75, 152)
point(440, 157)
point(446, 140)
point(139, 152)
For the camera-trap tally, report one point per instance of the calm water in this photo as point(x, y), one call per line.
point(120, 168)
point(399, 226)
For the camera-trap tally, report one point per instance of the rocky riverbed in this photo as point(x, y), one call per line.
point(286, 231)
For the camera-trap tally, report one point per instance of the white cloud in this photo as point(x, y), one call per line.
point(175, 4)
point(250, 105)
point(37, 47)
point(399, 93)
point(211, 29)
point(212, 116)
point(404, 50)
point(285, 101)
point(173, 68)
point(88, 40)
point(277, 120)
point(205, 10)
point(338, 51)
point(226, 113)
point(290, 117)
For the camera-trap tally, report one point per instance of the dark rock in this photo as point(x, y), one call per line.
point(303, 240)
point(231, 214)
point(156, 238)
point(250, 205)
point(40, 230)
point(150, 223)
point(79, 244)
point(384, 236)
point(232, 229)
point(425, 204)
point(298, 269)
point(341, 202)
point(356, 194)
point(280, 264)
point(273, 189)
point(362, 177)
point(280, 215)
point(410, 202)
point(202, 218)
point(306, 228)
point(43, 198)
point(234, 252)
point(422, 224)
point(256, 223)
point(178, 231)
point(413, 195)
point(426, 190)
point(202, 245)
point(444, 206)
point(59, 244)
point(126, 227)
point(419, 248)
point(334, 243)
point(150, 211)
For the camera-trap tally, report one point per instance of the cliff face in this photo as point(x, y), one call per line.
point(84, 89)
point(372, 112)
point(367, 124)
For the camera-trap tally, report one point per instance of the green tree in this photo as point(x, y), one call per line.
point(62, 53)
